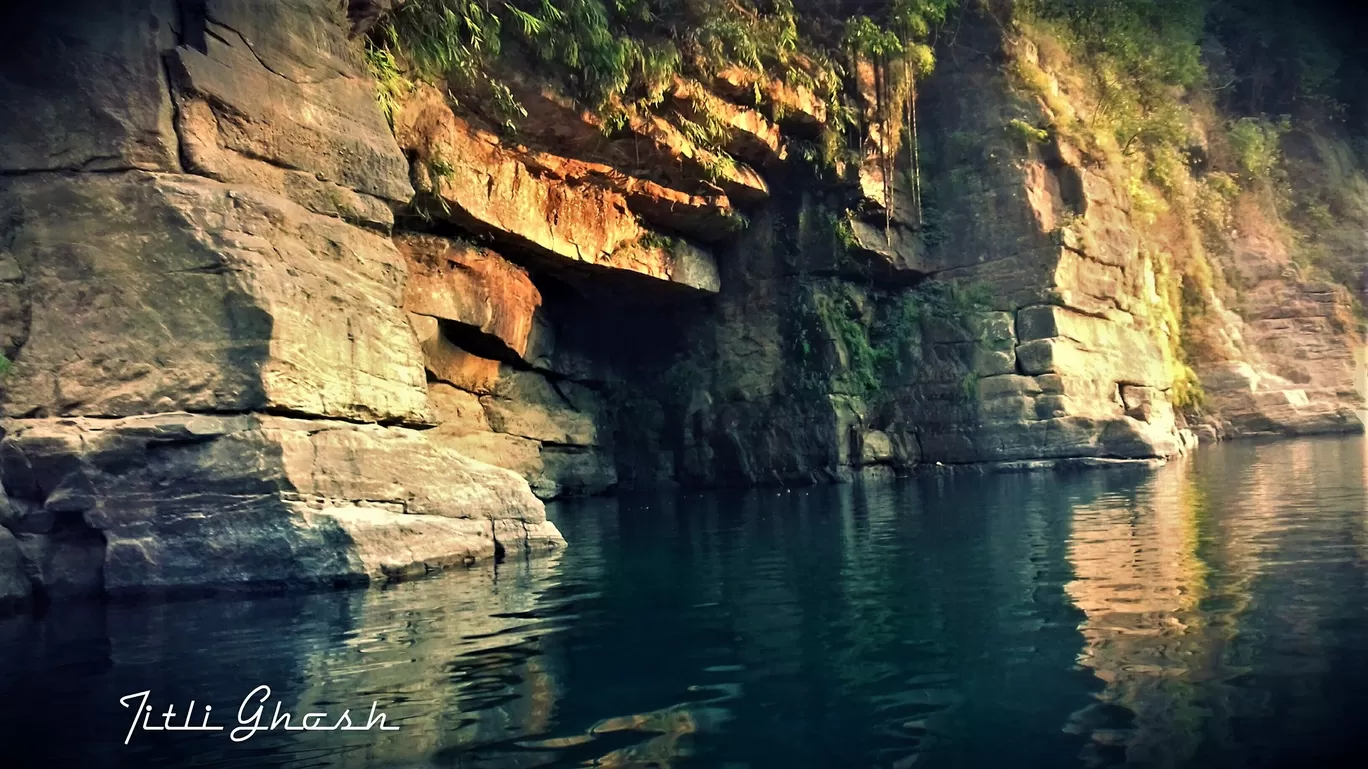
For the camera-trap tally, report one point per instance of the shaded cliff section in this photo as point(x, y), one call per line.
point(214, 381)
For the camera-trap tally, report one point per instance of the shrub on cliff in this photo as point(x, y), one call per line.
point(1255, 143)
point(620, 56)
point(610, 55)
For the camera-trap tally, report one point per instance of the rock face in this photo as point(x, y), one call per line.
point(261, 333)
point(1073, 330)
point(487, 188)
point(1287, 364)
point(477, 315)
point(547, 431)
point(215, 380)
point(819, 362)
point(100, 101)
point(178, 499)
point(168, 291)
point(273, 100)
point(492, 300)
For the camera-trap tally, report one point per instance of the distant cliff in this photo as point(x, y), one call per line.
point(293, 296)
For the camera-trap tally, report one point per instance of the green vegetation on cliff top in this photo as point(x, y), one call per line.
point(618, 57)
point(1282, 78)
point(1206, 102)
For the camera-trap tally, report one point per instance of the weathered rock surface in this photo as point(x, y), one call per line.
point(275, 100)
point(548, 432)
point(489, 189)
point(492, 300)
point(154, 292)
point(1075, 325)
point(648, 148)
point(179, 500)
point(183, 264)
point(1291, 366)
point(88, 78)
point(708, 218)
point(797, 104)
point(500, 409)
point(1061, 341)
point(15, 587)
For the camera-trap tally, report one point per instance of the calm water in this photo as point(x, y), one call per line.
point(1213, 613)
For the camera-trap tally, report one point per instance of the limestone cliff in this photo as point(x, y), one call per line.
point(777, 320)
point(279, 316)
point(1126, 288)
point(214, 381)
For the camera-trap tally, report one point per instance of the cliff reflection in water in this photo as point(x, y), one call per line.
point(1225, 609)
point(1209, 614)
point(451, 661)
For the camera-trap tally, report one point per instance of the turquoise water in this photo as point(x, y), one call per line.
point(1210, 614)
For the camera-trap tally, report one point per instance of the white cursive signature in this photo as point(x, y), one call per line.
point(252, 724)
point(251, 719)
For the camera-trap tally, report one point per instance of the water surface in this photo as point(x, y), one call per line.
point(1210, 614)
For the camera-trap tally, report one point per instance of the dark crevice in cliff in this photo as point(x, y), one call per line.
point(278, 411)
point(189, 33)
point(245, 44)
point(273, 411)
point(1069, 179)
point(84, 168)
point(476, 342)
point(1071, 309)
point(193, 17)
point(567, 448)
point(209, 32)
point(182, 157)
point(218, 268)
point(611, 284)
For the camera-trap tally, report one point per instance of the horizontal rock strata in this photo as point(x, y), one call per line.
point(481, 185)
point(180, 500)
point(215, 379)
